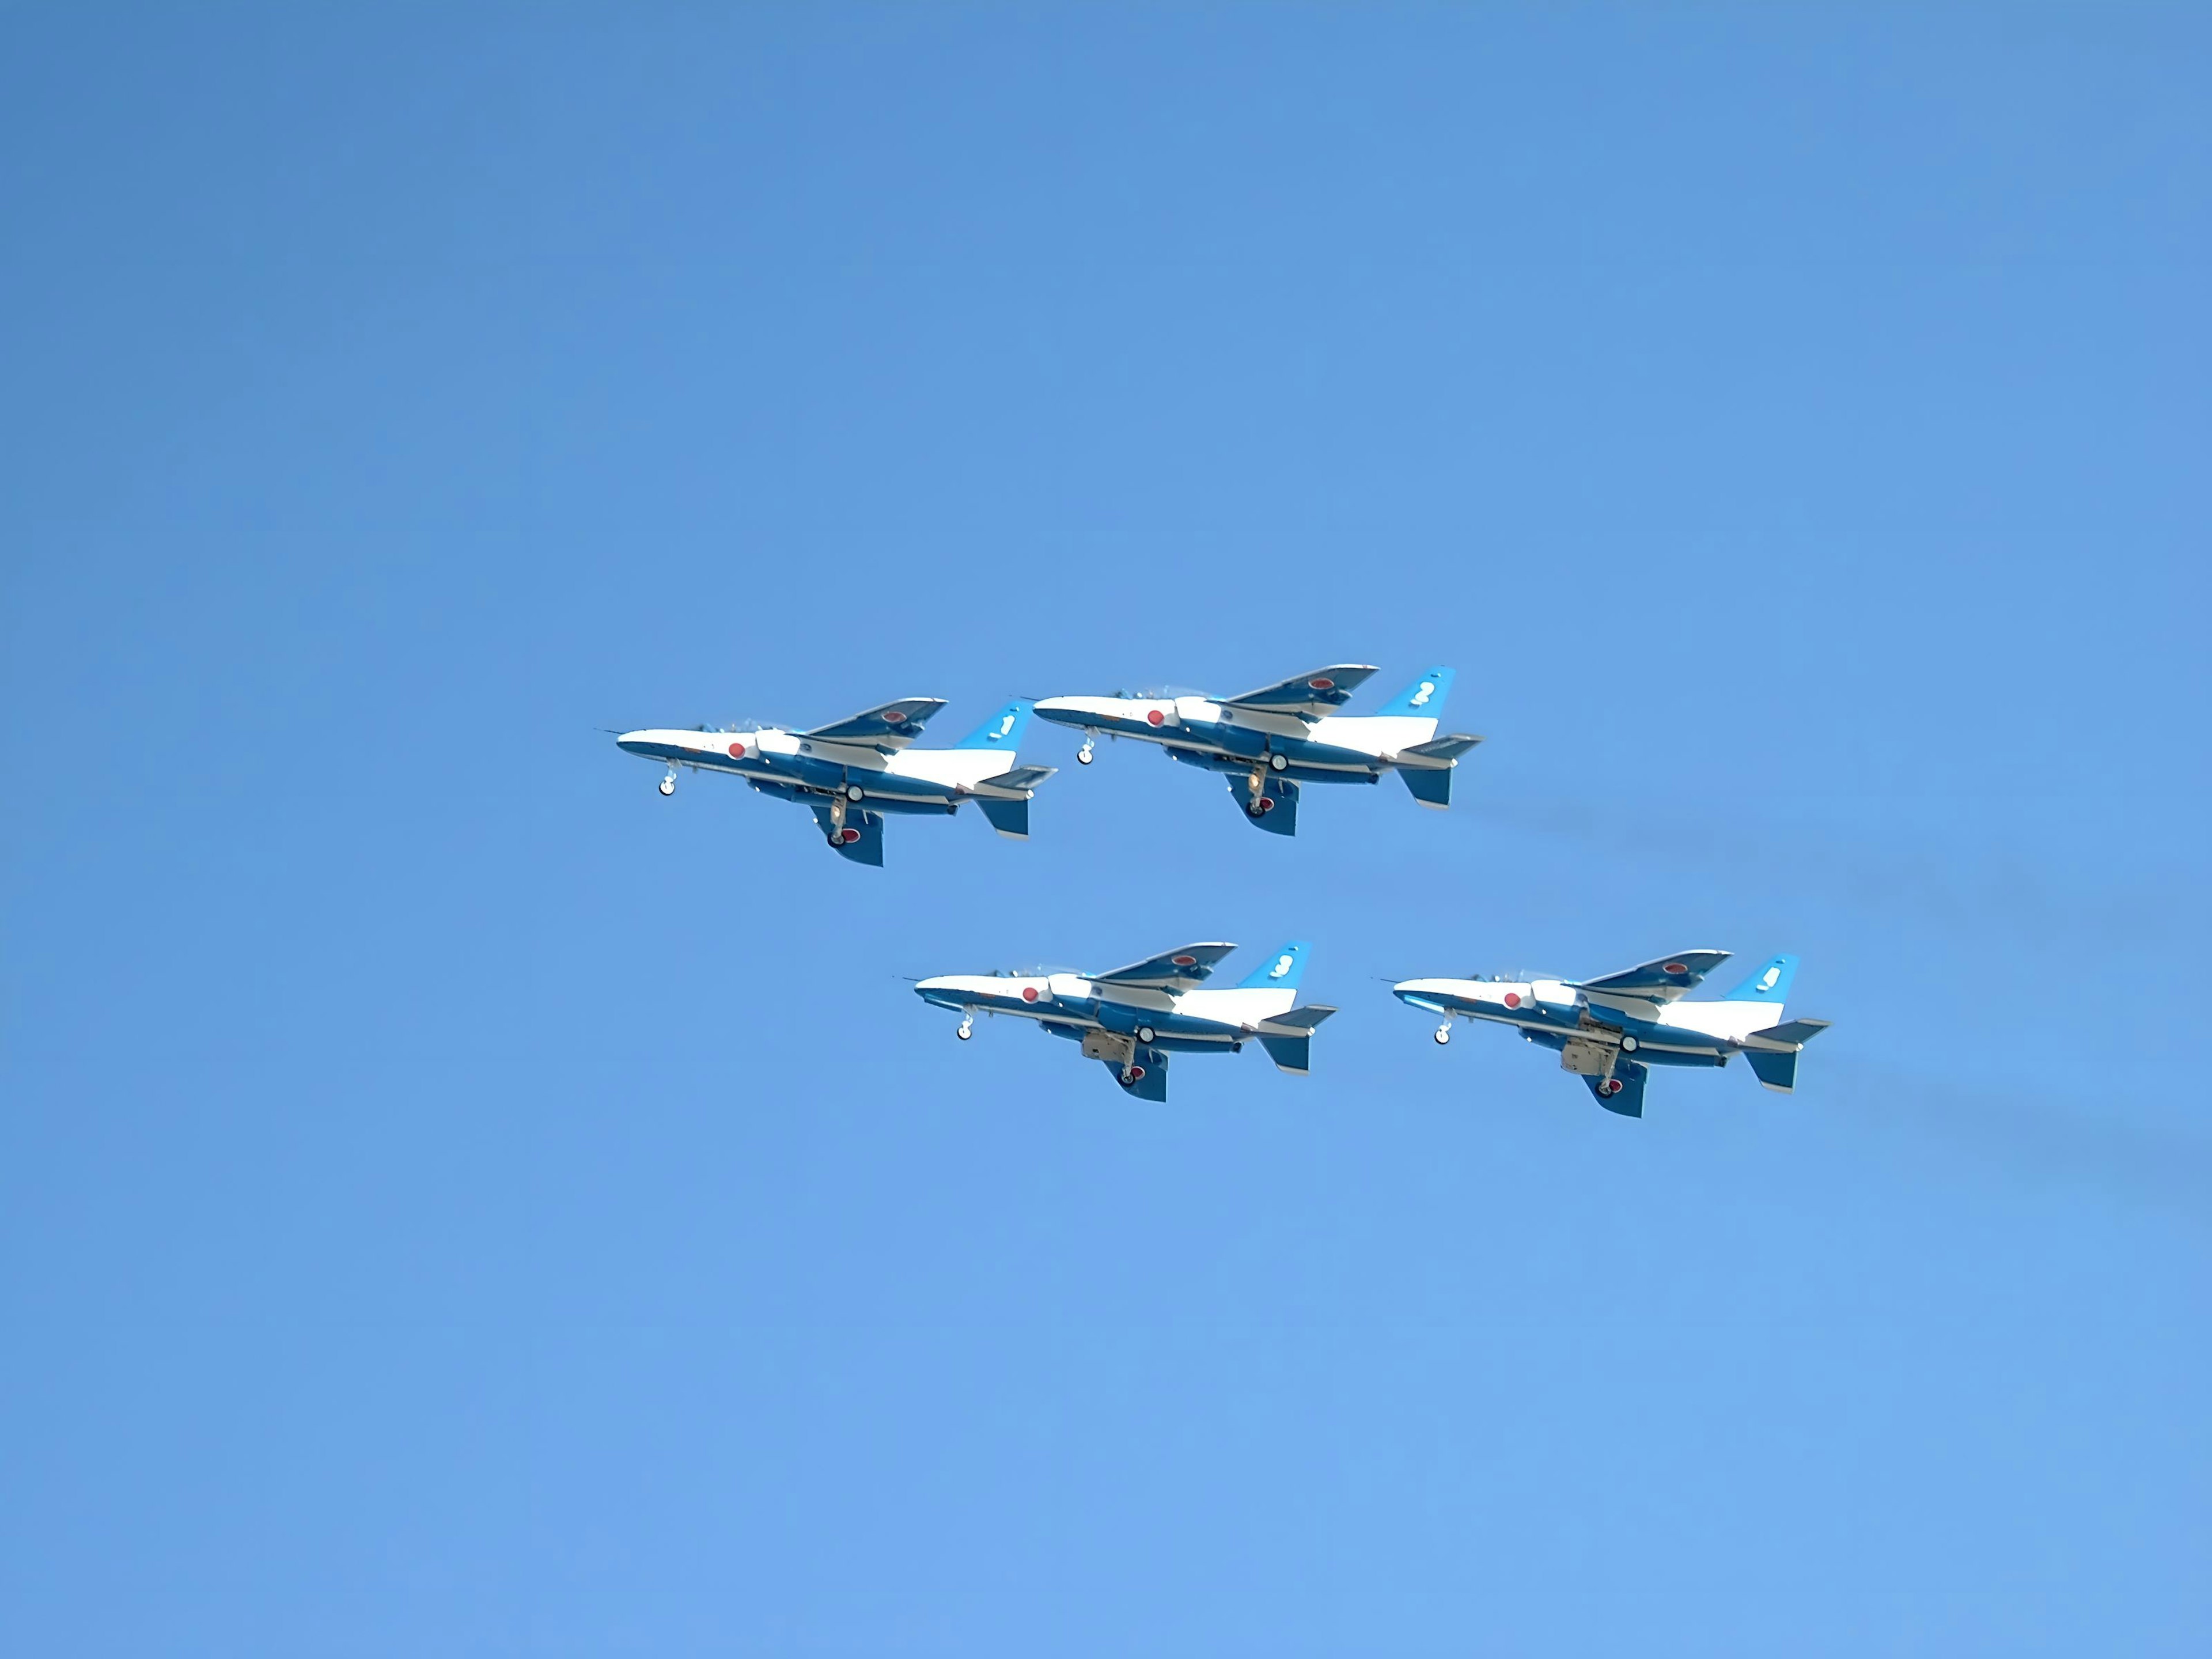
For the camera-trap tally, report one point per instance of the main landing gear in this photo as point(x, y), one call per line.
point(1444, 1032)
point(668, 783)
point(1088, 753)
point(967, 1027)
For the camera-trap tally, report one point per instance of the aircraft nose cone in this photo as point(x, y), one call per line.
point(1062, 709)
point(631, 743)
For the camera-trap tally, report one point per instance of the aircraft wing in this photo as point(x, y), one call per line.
point(1309, 697)
point(888, 725)
point(1171, 970)
point(1662, 980)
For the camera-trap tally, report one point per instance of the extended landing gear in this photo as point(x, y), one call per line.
point(967, 1028)
point(1443, 1033)
point(1088, 753)
point(668, 783)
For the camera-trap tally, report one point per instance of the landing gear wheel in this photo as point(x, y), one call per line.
point(1443, 1033)
point(1279, 762)
point(1147, 1035)
point(1085, 755)
point(1628, 1045)
point(668, 784)
point(967, 1029)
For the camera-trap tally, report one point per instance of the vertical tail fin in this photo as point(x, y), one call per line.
point(1280, 971)
point(1002, 730)
point(1768, 983)
point(1424, 696)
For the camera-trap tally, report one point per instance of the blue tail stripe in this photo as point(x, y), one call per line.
point(1425, 695)
point(1769, 983)
point(1280, 971)
point(1002, 730)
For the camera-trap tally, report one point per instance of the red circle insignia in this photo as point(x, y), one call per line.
point(1029, 993)
point(1153, 717)
point(1513, 999)
point(894, 717)
point(1324, 683)
point(1184, 961)
point(737, 752)
point(1675, 967)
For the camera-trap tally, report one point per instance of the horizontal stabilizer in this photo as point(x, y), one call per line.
point(1776, 1070)
point(1302, 1019)
point(1309, 697)
point(1018, 777)
point(887, 726)
point(1178, 969)
point(1011, 818)
point(1799, 1032)
point(1438, 751)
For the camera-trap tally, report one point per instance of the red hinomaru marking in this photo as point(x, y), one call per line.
point(1513, 999)
point(894, 717)
point(1153, 717)
point(851, 836)
point(1184, 961)
point(1029, 993)
point(1675, 967)
point(737, 752)
point(1324, 683)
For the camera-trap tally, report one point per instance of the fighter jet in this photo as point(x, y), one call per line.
point(853, 772)
point(1134, 1017)
point(1270, 741)
point(1610, 1031)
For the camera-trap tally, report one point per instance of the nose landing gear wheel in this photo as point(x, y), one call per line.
point(967, 1029)
point(1084, 756)
point(668, 784)
point(1444, 1032)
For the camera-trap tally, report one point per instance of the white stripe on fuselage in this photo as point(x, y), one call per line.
point(948, 768)
point(1239, 1010)
point(1184, 721)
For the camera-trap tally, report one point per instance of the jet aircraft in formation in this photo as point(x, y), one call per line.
point(1268, 742)
point(1611, 1031)
point(852, 773)
point(1133, 1018)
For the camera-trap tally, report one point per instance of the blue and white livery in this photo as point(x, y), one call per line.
point(1611, 1031)
point(1134, 1017)
point(1270, 741)
point(853, 773)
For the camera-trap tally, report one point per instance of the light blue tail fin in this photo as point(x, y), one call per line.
point(1771, 983)
point(1280, 971)
point(1002, 730)
point(1425, 695)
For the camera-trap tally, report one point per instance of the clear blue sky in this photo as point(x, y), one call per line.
point(454, 1202)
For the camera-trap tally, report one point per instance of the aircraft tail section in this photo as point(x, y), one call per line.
point(1769, 983)
point(1011, 818)
point(1002, 732)
point(1280, 971)
point(1777, 1068)
point(1423, 698)
point(1288, 1037)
